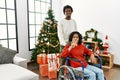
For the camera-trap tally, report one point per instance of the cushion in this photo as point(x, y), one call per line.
point(77, 72)
point(6, 55)
point(15, 72)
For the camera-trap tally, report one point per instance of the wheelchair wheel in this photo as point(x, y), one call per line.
point(65, 73)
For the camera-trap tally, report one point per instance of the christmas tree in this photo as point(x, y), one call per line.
point(48, 41)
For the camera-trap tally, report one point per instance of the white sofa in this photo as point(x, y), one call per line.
point(17, 70)
point(20, 61)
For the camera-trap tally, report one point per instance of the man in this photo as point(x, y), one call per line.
point(65, 27)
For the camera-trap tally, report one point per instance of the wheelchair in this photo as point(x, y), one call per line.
point(66, 72)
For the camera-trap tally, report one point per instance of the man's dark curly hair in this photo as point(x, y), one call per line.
point(66, 7)
point(79, 35)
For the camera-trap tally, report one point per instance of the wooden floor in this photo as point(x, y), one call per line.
point(111, 74)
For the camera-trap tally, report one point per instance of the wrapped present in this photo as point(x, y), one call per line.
point(42, 59)
point(52, 61)
point(58, 61)
point(52, 74)
point(43, 68)
point(39, 59)
point(52, 68)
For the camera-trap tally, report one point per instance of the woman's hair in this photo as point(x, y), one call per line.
point(79, 35)
point(66, 7)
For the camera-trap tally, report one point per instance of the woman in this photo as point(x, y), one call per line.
point(76, 49)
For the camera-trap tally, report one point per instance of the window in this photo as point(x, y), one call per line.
point(8, 24)
point(37, 11)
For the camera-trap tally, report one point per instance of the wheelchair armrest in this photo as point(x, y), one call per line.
point(74, 59)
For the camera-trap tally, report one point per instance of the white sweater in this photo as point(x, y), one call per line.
point(65, 27)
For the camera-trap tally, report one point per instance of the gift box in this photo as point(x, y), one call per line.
point(52, 74)
point(58, 61)
point(42, 59)
point(52, 68)
point(43, 69)
point(39, 59)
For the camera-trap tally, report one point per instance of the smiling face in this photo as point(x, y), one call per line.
point(68, 12)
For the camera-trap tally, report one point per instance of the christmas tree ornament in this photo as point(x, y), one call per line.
point(43, 51)
point(41, 41)
point(55, 26)
point(43, 30)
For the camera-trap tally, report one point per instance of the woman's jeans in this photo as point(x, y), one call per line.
point(93, 72)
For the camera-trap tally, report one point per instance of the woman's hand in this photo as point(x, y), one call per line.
point(73, 44)
point(93, 59)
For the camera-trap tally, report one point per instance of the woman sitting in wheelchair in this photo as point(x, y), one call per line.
point(75, 49)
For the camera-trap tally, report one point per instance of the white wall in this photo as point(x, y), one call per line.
point(57, 6)
point(22, 25)
point(102, 15)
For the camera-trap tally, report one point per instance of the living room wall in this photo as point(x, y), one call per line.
point(22, 26)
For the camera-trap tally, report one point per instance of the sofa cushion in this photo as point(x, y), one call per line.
point(6, 55)
point(15, 72)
